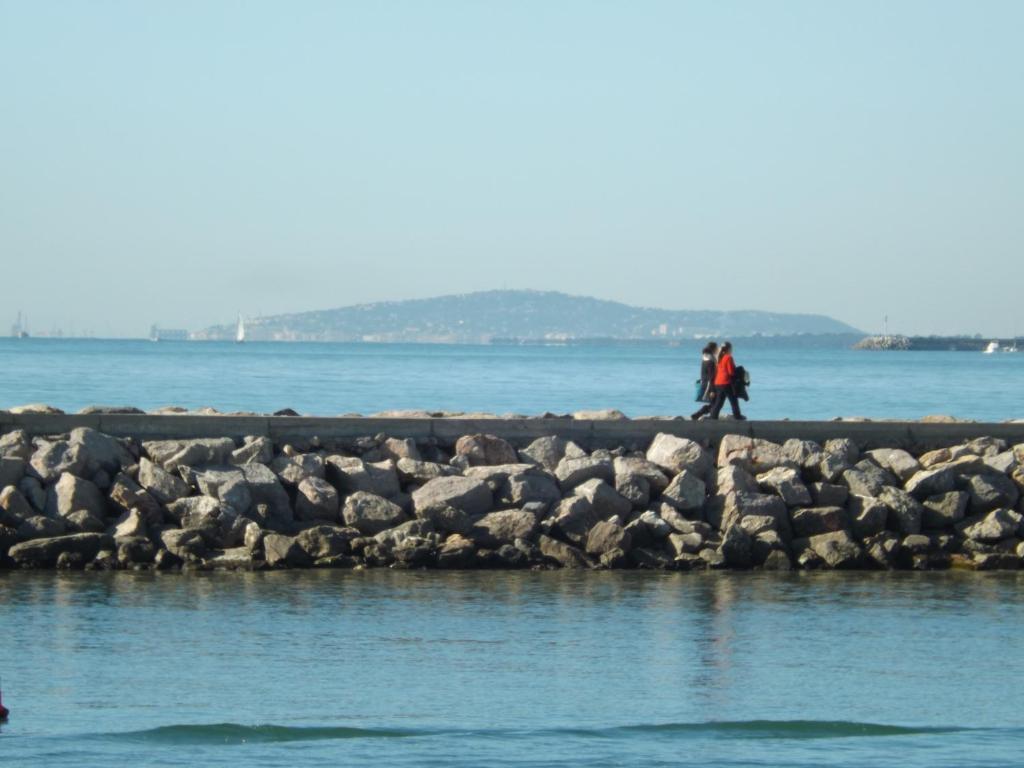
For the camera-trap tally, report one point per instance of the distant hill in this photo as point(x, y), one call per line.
point(518, 315)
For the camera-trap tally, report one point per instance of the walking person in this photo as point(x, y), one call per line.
point(725, 375)
point(706, 385)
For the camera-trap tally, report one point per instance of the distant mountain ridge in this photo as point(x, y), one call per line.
point(515, 314)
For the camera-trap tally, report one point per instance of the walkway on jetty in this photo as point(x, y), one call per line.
point(589, 433)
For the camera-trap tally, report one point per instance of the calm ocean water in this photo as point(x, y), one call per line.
point(511, 669)
point(330, 379)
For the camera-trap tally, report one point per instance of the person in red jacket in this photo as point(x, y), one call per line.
point(724, 375)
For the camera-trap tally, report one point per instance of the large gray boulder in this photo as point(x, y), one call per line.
point(905, 511)
point(83, 522)
point(446, 519)
point(456, 552)
point(14, 508)
point(254, 450)
point(102, 452)
point(805, 454)
point(732, 508)
point(326, 541)
point(574, 518)
point(280, 550)
point(844, 448)
point(504, 527)
point(678, 522)
point(43, 553)
point(832, 467)
point(685, 543)
point(988, 492)
point(868, 516)
point(414, 471)
point(931, 482)
point(944, 510)
point(127, 494)
point(171, 454)
point(16, 444)
point(572, 472)
point(604, 499)
point(837, 549)
point(829, 494)
point(735, 479)
point(752, 454)
point(635, 489)
point(485, 450)
point(686, 493)
point(529, 487)
point(631, 468)
point(549, 451)
point(896, 460)
point(71, 493)
point(994, 526)
point(130, 524)
point(316, 499)
point(674, 454)
point(863, 483)
point(883, 548)
point(350, 474)
point(187, 545)
point(370, 514)
point(53, 459)
point(161, 484)
point(607, 536)
point(414, 533)
point(497, 474)
point(786, 483)
point(986, 446)
point(293, 469)
point(813, 521)
point(396, 449)
point(226, 484)
point(561, 553)
point(737, 547)
point(267, 491)
point(472, 496)
point(193, 506)
point(1003, 463)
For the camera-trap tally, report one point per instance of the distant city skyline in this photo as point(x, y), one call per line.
point(179, 164)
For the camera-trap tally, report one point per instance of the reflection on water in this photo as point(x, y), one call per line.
point(88, 653)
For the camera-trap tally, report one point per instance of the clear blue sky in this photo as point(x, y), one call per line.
point(178, 162)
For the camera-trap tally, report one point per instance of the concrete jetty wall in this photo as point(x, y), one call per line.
point(590, 433)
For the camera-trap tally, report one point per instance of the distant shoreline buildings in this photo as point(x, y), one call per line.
point(167, 334)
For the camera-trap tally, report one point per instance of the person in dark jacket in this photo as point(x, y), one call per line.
point(725, 375)
point(706, 390)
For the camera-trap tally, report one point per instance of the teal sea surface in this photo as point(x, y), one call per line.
point(329, 379)
point(511, 669)
point(404, 668)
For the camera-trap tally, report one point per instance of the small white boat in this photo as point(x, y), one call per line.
point(240, 331)
point(993, 346)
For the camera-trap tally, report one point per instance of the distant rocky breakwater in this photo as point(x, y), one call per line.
point(90, 500)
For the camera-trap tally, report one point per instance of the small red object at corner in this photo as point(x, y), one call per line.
point(4, 711)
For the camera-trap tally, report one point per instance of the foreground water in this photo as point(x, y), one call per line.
point(518, 669)
point(330, 379)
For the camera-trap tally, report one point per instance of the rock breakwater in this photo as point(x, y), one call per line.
point(90, 500)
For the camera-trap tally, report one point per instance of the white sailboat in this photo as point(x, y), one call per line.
point(993, 346)
point(240, 331)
